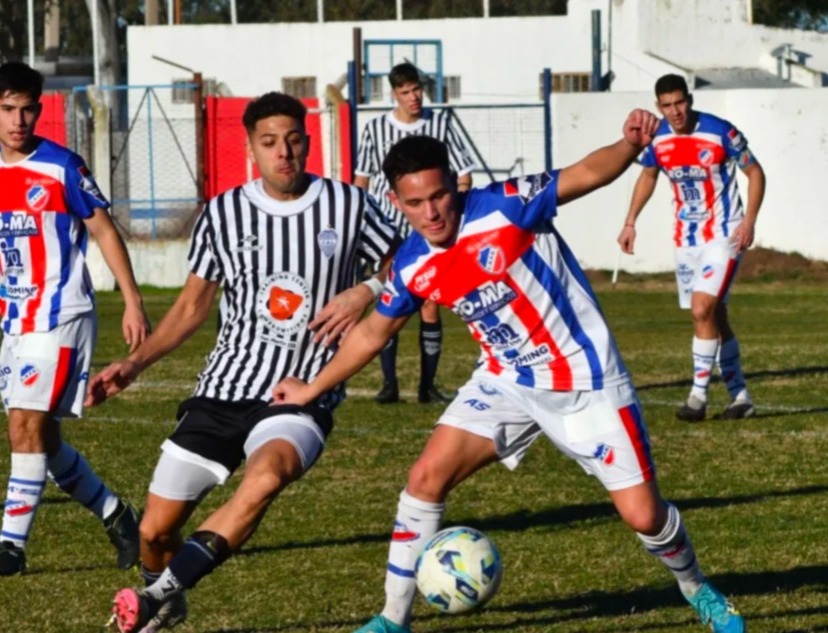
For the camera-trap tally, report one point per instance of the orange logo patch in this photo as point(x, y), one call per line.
point(283, 303)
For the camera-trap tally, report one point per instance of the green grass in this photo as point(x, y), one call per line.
point(754, 494)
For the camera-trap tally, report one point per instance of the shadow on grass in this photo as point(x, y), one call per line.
point(756, 375)
point(553, 518)
point(602, 604)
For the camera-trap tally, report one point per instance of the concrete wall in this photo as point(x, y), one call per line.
point(787, 130)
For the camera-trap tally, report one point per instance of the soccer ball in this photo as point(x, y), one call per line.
point(458, 570)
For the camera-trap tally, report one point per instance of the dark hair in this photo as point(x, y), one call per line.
point(405, 73)
point(21, 78)
point(412, 154)
point(273, 104)
point(670, 83)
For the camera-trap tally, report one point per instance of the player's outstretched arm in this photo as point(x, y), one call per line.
point(643, 191)
point(135, 324)
point(604, 165)
point(364, 342)
point(189, 311)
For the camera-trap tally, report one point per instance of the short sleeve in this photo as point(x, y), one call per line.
point(527, 200)
point(202, 258)
point(366, 156)
point(378, 237)
point(459, 154)
point(82, 193)
point(734, 142)
point(647, 157)
point(395, 300)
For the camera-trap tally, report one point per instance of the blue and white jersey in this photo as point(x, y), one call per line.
point(511, 277)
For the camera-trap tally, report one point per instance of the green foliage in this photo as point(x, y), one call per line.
point(792, 14)
point(753, 494)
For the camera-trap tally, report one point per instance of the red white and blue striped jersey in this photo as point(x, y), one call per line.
point(701, 167)
point(511, 277)
point(44, 199)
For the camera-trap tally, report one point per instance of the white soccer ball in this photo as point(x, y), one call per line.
point(458, 570)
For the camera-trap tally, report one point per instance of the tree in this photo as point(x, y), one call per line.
point(792, 14)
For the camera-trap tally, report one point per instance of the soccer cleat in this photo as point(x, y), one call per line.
point(171, 613)
point(694, 410)
point(12, 559)
point(381, 624)
point(132, 609)
point(738, 410)
point(389, 393)
point(715, 611)
point(122, 530)
point(432, 394)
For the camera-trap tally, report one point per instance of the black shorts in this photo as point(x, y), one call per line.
point(217, 429)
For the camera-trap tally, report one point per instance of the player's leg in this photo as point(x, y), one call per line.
point(604, 432)
point(24, 490)
point(431, 346)
point(481, 426)
point(730, 367)
point(704, 349)
point(279, 449)
point(390, 391)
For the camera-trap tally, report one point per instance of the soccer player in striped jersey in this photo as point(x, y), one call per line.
point(548, 364)
point(49, 204)
point(699, 154)
point(409, 117)
point(285, 248)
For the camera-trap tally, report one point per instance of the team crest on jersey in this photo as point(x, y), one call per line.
point(605, 453)
point(707, 271)
point(327, 240)
point(526, 187)
point(706, 157)
point(88, 185)
point(37, 196)
point(283, 305)
point(29, 375)
point(492, 260)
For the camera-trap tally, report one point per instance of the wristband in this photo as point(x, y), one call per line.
point(374, 285)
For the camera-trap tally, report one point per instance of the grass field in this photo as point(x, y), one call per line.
point(753, 493)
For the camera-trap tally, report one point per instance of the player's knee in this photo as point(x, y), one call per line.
point(702, 312)
point(645, 520)
point(427, 481)
point(155, 536)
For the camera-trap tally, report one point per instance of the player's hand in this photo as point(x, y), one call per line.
point(291, 391)
point(640, 128)
point(627, 239)
point(743, 235)
point(135, 326)
point(111, 381)
point(340, 314)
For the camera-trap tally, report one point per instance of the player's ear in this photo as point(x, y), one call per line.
point(395, 200)
point(690, 99)
point(248, 146)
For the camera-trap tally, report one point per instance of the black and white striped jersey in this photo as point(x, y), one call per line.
point(382, 132)
point(279, 263)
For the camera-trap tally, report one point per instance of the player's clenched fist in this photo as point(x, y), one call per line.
point(640, 127)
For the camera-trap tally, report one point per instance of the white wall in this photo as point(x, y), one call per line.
point(787, 130)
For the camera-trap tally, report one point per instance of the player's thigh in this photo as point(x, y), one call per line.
point(48, 371)
point(183, 477)
point(497, 412)
point(450, 456)
point(603, 431)
point(287, 440)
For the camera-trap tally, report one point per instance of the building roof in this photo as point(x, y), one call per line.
point(724, 78)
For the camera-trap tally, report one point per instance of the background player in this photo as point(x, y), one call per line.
point(699, 152)
point(409, 117)
point(48, 202)
point(273, 297)
point(549, 363)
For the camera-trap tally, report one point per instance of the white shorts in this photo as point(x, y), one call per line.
point(709, 268)
point(601, 430)
point(48, 371)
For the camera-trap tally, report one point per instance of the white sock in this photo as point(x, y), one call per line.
point(704, 355)
point(72, 474)
point(25, 488)
point(416, 522)
point(730, 366)
point(673, 548)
